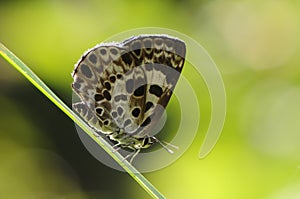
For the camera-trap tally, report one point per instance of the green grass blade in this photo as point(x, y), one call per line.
point(39, 84)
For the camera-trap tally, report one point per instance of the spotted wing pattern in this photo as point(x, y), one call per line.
point(127, 85)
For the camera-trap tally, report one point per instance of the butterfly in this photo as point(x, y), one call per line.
point(125, 87)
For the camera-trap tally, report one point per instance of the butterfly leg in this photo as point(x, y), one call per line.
point(127, 156)
point(133, 154)
point(116, 147)
point(96, 134)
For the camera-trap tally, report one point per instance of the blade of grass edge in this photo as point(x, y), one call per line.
point(40, 85)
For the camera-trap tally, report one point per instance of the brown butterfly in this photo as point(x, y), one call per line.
point(125, 86)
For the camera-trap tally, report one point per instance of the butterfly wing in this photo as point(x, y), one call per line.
point(161, 58)
point(94, 78)
point(127, 85)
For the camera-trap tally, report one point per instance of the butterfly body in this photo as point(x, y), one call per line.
point(124, 87)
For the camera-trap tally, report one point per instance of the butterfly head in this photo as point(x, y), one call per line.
point(139, 143)
point(143, 143)
point(148, 141)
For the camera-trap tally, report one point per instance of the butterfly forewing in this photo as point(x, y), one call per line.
point(161, 59)
point(127, 85)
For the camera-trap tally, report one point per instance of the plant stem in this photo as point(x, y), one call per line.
point(40, 85)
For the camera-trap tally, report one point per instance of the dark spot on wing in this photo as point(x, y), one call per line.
point(99, 97)
point(136, 112)
point(112, 78)
point(93, 58)
point(149, 55)
point(126, 57)
point(120, 110)
point(148, 45)
point(158, 42)
point(156, 90)
point(76, 85)
point(102, 51)
point(107, 85)
point(140, 91)
point(168, 61)
point(106, 122)
point(149, 67)
point(136, 47)
point(127, 122)
point(86, 71)
point(106, 95)
point(99, 110)
point(120, 97)
point(129, 85)
point(169, 43)
point(113, 51)
point(158, 51)
point(114, 114)
point(161, 59)
point(146, 122)
point(119, 76)
point(148, 106)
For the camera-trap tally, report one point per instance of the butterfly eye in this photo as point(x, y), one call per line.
point(146, 141)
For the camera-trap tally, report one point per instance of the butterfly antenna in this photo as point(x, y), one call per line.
point(127, 156)
point(170, 145)
point(164, 146)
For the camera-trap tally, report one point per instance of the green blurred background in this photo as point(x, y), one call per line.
point(256, 47)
